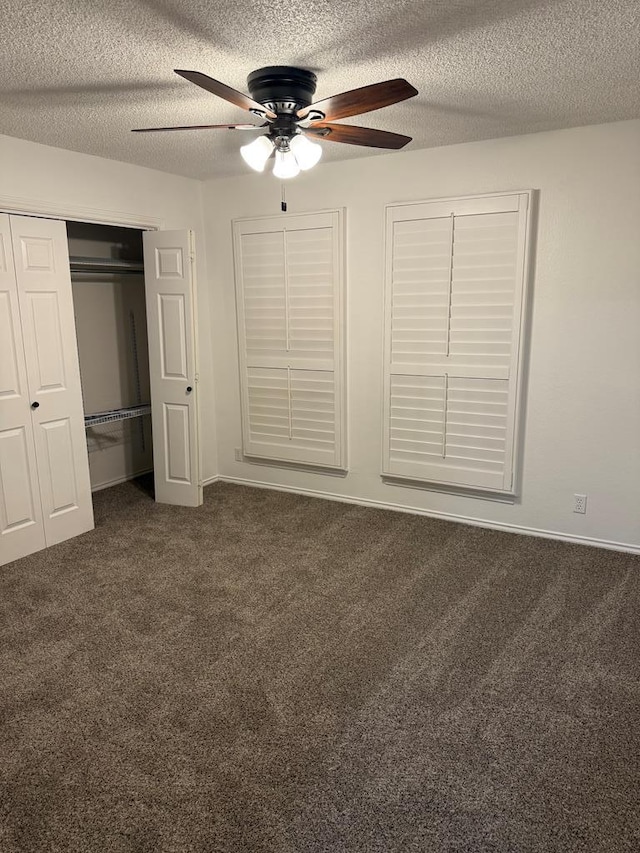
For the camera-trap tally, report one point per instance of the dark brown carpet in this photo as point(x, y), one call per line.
point(276, 673)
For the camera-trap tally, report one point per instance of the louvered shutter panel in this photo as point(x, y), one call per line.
point(455, 284)
point(290, 320)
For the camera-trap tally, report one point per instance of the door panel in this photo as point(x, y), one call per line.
point(53, 375)
point(36, 253)
point(21, 525)
point(172, 365)
point(42, 312)
point(172, 338)
point(176, 424)
point(9, 376)
point(18, 509)
point(59, 449)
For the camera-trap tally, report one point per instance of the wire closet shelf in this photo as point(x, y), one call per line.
point(116, 415)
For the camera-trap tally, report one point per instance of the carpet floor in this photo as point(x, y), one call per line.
point(277, 673)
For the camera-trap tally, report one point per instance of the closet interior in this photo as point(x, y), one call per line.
point(107, 276)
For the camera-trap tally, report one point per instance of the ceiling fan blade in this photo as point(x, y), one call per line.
point(224, 91)
point(201, 127)
point(358, 101)
point(357, 135)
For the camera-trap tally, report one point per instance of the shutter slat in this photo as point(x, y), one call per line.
point(420, 453)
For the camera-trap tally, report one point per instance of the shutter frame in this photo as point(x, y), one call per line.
point(458, 367)
point(313, 355)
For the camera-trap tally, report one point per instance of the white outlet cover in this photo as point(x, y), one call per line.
point(580, 503)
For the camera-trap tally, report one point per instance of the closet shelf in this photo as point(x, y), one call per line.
point(116, 415)
point(105, 265)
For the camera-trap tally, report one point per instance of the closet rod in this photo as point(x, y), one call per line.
point(106, 265)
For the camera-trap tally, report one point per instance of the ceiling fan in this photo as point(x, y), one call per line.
point(283, 96)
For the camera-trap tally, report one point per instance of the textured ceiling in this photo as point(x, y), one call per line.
point(79, 74)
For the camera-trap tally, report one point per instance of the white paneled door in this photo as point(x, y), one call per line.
point(168, 264)
point(21, 526)
point(46, 495)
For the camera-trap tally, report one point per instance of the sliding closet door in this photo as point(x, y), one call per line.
point(168, 265)
point(53, 375)
point(21, 526)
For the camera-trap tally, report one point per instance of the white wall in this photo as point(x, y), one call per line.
point(583, 418)
point(39, 179)
point(583, 398)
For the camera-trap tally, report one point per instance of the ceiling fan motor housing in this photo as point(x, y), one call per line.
point(282, 88)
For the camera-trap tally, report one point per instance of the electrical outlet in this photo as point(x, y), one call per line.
point(238, 455)
point(580, 503)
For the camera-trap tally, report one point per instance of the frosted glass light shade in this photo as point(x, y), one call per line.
point(257, 153)
point(286, 165)
point(307, 153)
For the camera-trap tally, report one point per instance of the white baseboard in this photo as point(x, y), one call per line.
point(123, 479)
point(126, 477)
point(443, 516)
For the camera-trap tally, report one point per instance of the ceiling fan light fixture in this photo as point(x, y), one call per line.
point(257, 153)
point(286, 165)
point(307, 153)
point(282, 96)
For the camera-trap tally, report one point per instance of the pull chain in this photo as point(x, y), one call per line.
point(283, 203)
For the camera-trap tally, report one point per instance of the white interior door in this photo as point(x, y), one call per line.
point(21, 525)
point(168, 265)
point(53, 375)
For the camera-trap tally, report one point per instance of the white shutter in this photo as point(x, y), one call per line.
point(455, 284)
point(290, 319)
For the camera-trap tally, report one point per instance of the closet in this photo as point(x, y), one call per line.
point(97, 339)
point(107, 278)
